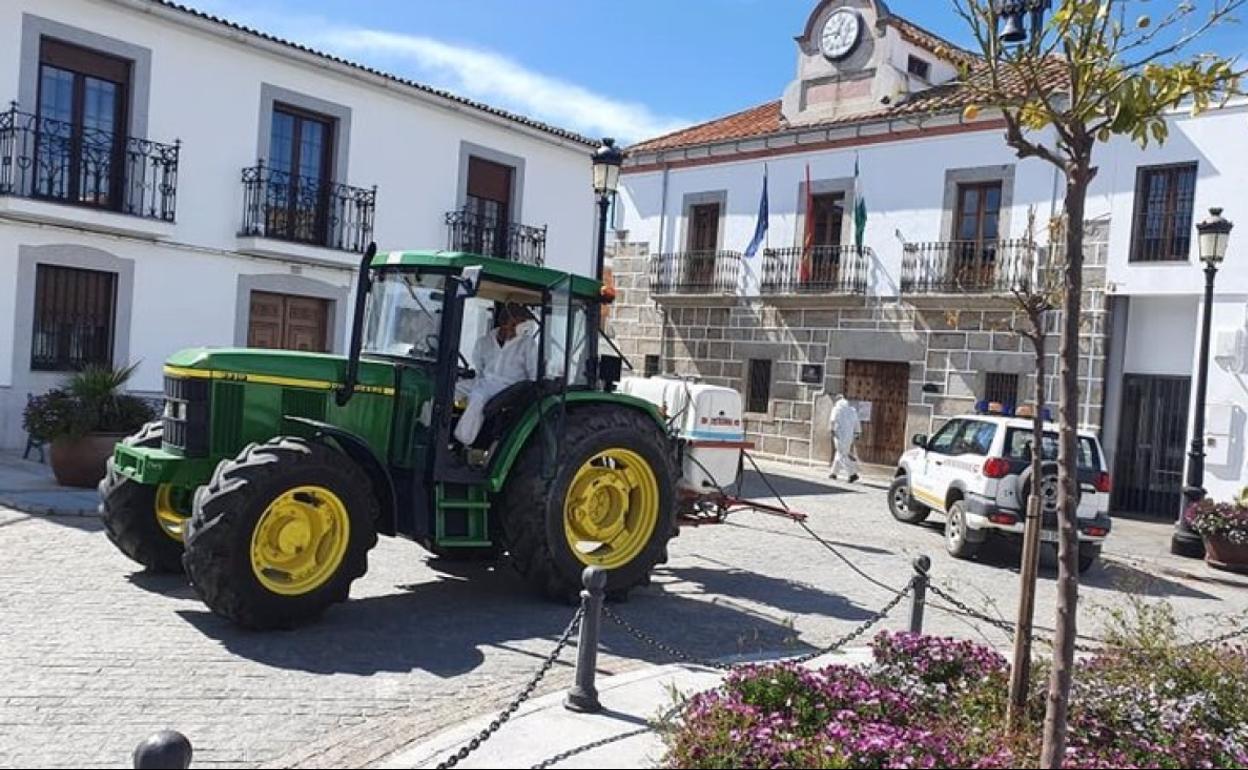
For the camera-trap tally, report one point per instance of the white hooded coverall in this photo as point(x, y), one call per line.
point(498, 366)
point(845, 429)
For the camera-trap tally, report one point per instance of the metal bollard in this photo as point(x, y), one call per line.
point(918, 584)
point(165, 750)
point(583, 697)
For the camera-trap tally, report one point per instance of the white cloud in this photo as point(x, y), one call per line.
point(497, 80)
point(482, 75)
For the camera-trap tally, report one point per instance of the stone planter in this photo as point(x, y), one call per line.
point(1222, 554)
point(81, 462)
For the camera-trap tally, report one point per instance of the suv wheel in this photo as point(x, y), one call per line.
point(957, 533)
point(902, 505)
point(1088, 556)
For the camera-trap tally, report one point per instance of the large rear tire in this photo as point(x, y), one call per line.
point(611, 503)
point(143, 521)
point(280, 533)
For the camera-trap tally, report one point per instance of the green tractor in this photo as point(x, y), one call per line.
point(271, 473)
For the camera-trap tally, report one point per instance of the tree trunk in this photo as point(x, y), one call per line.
point(1054, 745)
point(1020, 670)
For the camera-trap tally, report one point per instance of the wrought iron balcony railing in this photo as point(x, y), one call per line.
point(695, 272)
point(967, 267)
point(64, 162)
point(288, 207)
point(472, 232)
point(819, 270)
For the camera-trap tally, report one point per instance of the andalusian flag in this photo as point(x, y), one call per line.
point(808, 237)
point(860, 208)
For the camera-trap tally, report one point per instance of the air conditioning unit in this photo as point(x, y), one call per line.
point(1230, 350)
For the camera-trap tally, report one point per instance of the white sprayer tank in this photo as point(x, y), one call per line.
point(708, 418)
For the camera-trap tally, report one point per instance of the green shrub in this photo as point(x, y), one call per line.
point(90, 401)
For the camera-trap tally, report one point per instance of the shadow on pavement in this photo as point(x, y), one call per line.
point(784, 595)
point(166, 584)
point(787, 487)
point(443, 626)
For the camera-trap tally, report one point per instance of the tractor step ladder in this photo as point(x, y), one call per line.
point(462, 515)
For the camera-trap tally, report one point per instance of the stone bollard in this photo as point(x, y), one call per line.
point(918, 584)
point(583, 697)
point(165, 750)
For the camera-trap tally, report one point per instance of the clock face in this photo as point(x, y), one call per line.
point(840, 33)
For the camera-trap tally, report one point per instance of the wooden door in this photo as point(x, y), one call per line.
point(288, 322)
point(886, 385)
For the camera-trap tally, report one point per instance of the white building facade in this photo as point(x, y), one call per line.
point(917, 319)
point(169, 179)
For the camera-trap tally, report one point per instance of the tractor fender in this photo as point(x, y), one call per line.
point(358, 450)
point(518, 436)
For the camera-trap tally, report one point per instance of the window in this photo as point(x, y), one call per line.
point(651, 366)
point(488, 206)
point(404, 315)
point(1164, 196)
point(300, 144)
point(74, 316)
point(1001, 388)
point(973, 259)
point(975, 439)
point(829, 214)
point(758, 389)
point(704, 227)
point(81, 105)
point(919, 68)
point(943, 441)
point(1018, 447)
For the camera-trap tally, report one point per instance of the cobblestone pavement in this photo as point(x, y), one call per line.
point(94, 654)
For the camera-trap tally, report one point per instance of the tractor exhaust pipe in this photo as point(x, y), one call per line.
point(363, 284)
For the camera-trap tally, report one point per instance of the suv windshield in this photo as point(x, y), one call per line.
point(1018, 447)
point(404, 316)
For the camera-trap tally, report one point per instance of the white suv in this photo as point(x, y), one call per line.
point(977, 471)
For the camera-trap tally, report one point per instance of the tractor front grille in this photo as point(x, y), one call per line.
point(186, 415)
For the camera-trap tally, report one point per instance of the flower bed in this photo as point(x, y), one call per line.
point(928, 702)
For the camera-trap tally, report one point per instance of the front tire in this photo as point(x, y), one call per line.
point(143, 520)
point(901, 503)
point(280, 533)
point(1089, 555)
point(957, 534)
point(611, 504)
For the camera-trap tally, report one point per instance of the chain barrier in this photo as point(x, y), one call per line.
point(525, 694)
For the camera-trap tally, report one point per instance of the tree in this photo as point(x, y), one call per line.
point(1087, 75)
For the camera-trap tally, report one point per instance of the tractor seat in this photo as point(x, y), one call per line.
point(503, 408)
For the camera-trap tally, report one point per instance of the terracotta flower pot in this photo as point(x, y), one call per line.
point(81, 462)
point(1222, 554)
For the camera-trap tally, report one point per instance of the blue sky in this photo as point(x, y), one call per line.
point(630, 69)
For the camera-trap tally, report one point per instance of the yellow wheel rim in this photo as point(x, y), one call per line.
point(300, 540)
point(171, 510)
point(612, 509)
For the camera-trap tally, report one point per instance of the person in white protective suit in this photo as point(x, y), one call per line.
point(845, 429)
point(504, 355)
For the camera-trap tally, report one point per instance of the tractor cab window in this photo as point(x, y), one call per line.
point(491, 308)
point(567, 338)
point(404, 316)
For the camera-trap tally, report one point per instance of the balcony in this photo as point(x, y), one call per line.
point(488, 236)
point(282, 206)
point(695, 273)
point(821, 270)
point(101, 173)
point(967, 267)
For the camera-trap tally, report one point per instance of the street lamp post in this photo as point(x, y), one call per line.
point(1215, 234)
point(607, 161)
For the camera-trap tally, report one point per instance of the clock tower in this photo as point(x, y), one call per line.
point(854, 58)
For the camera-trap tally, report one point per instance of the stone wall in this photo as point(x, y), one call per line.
point(950, 343)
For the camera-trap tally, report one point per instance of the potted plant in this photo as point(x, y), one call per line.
point(83, 420)
point(1224, 527)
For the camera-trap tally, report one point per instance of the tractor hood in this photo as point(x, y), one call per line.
point(277, 367)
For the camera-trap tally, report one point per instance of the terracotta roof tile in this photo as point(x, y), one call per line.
point(932, 42)
point(766, 119)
